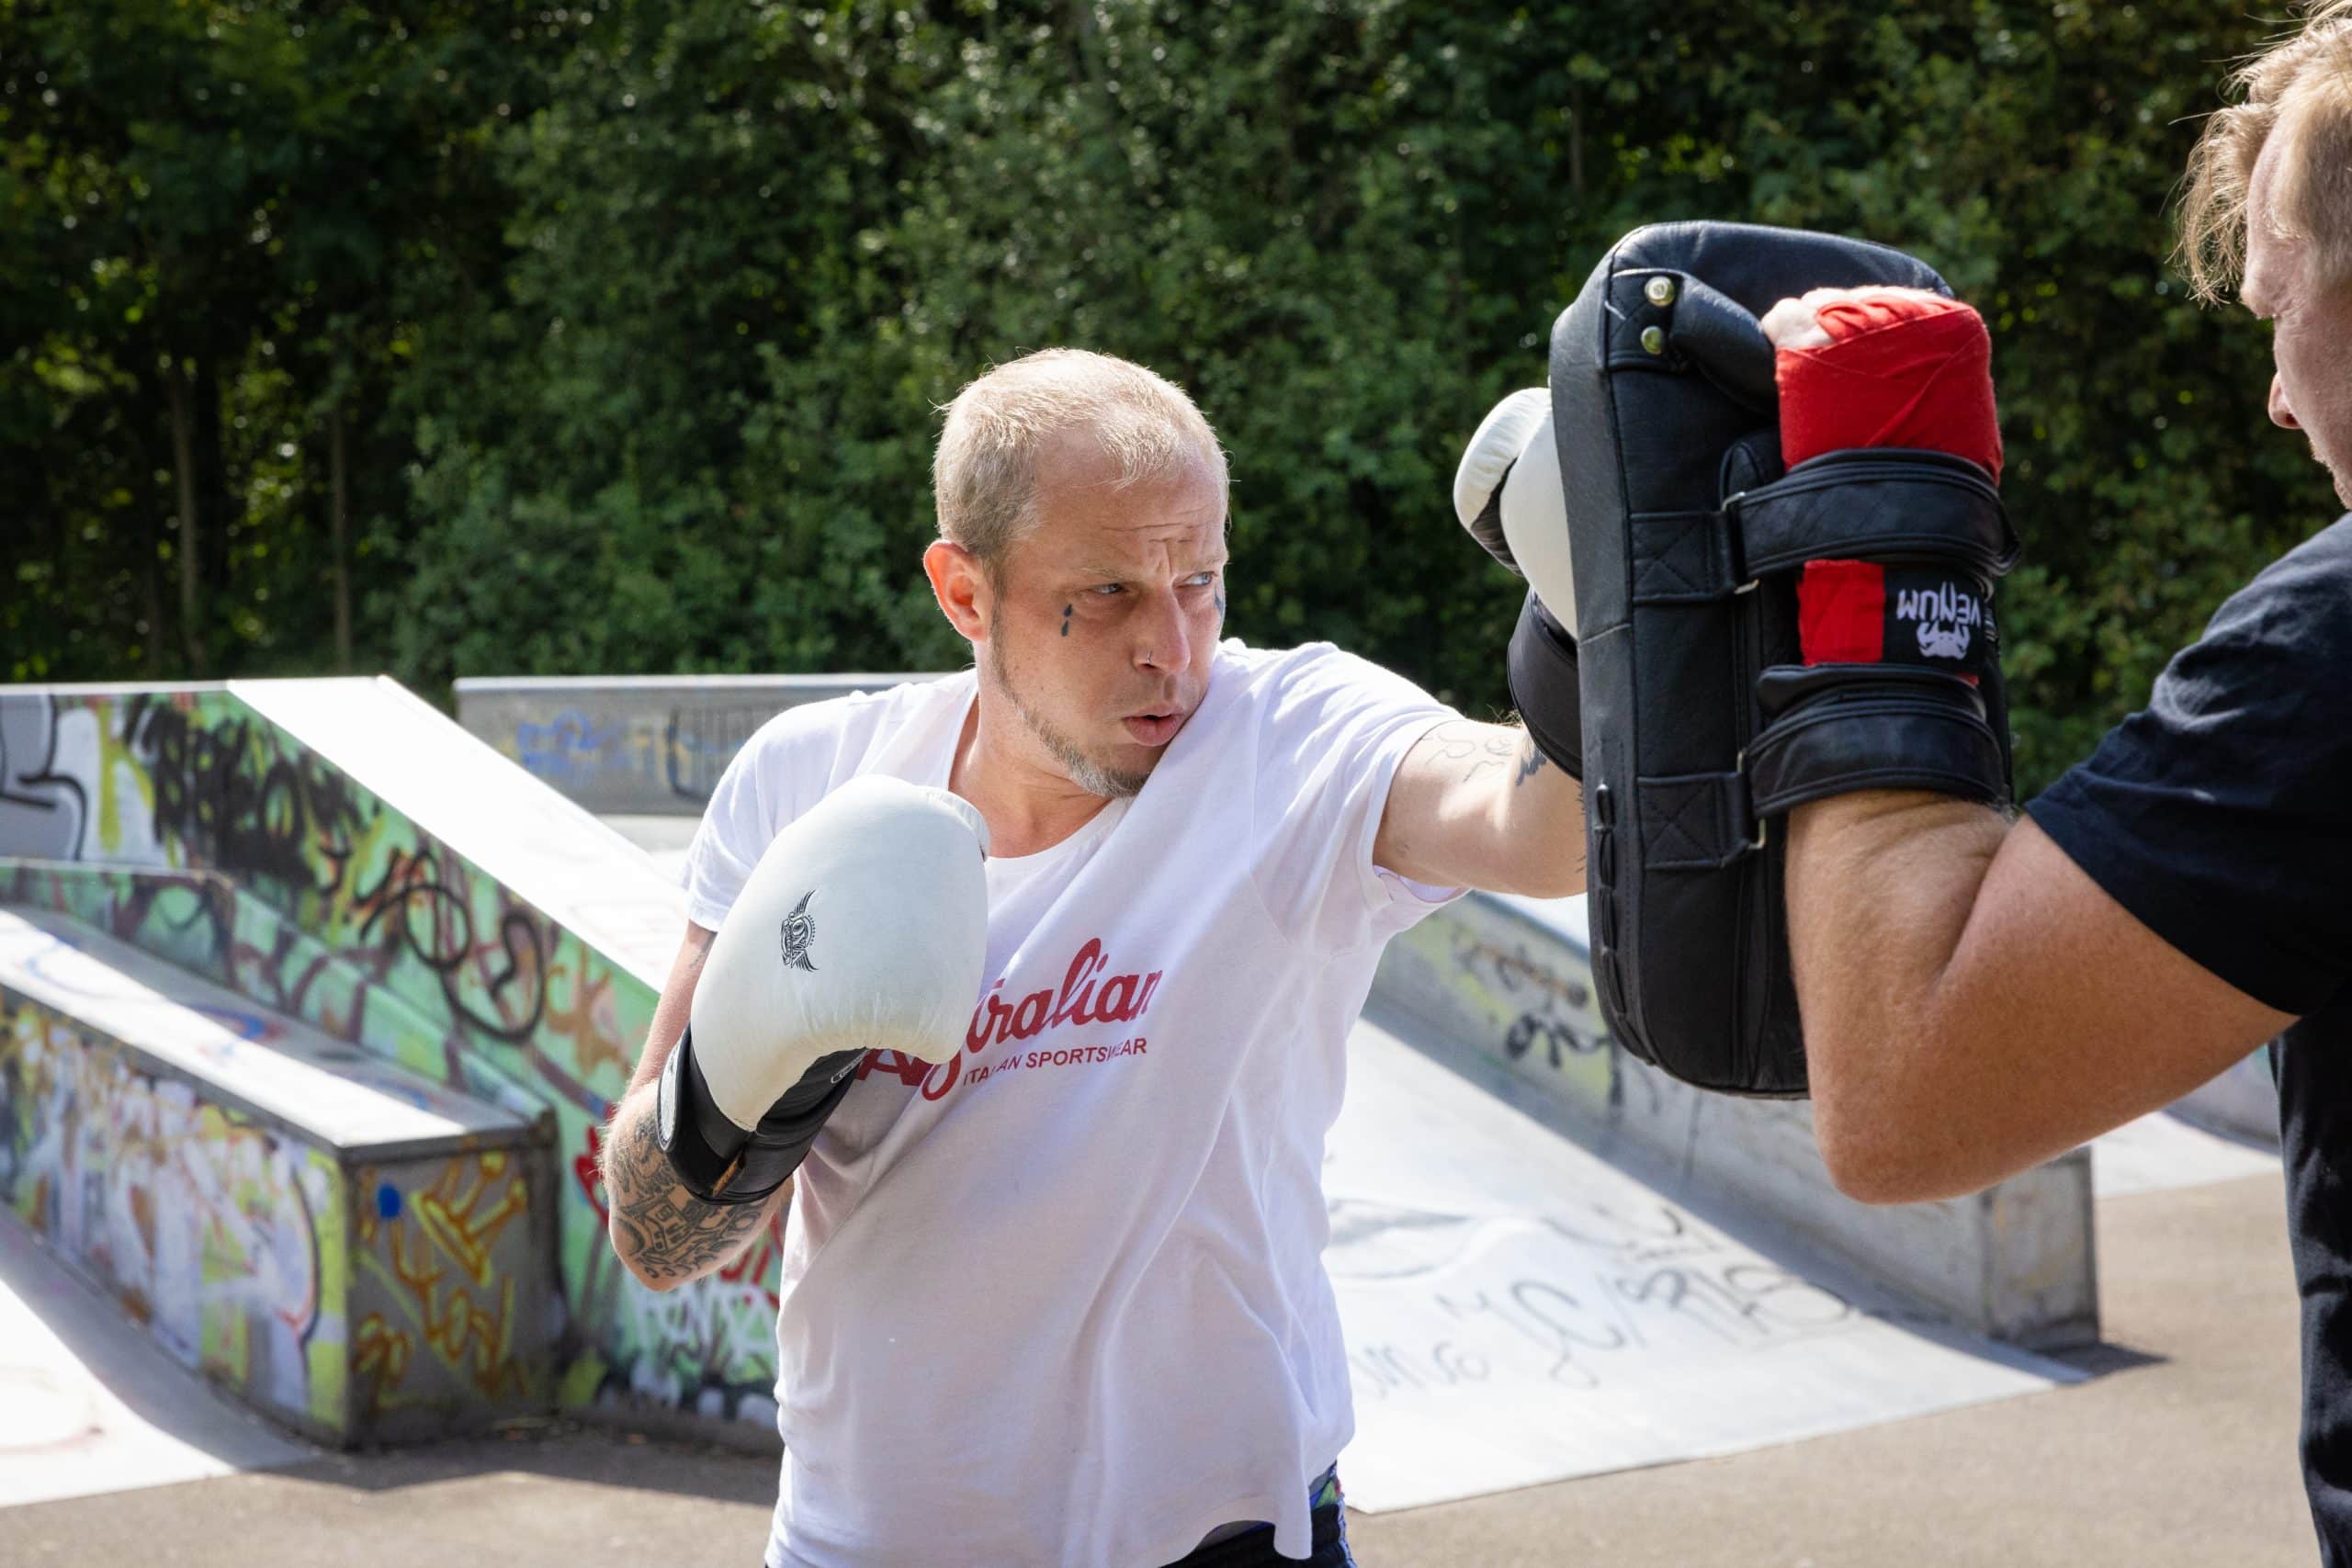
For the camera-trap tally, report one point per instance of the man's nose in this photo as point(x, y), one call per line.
point(1163, 642)
point(2280, 414)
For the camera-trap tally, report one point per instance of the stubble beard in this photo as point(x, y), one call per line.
point(1089, 775)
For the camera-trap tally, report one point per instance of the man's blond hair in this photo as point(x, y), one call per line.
point(2300, 91)
point(985, 473)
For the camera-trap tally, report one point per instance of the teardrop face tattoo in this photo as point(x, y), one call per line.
point(1067, 609)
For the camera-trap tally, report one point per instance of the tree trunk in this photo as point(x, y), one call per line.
point(1576, 142)
point(213, 495)
point(152, 645)
point(339, 528)
point(176, 381)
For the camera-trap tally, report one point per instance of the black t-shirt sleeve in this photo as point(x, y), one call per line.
point(2222, 816)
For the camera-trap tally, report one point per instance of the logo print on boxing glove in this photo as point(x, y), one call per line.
point(799, 930)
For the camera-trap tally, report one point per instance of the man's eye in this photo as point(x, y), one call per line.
point(1202, 580)
point(1106, 589)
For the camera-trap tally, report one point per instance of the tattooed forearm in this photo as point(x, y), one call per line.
point(664, 1234)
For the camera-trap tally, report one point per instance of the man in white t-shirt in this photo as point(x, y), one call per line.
point(1060, 1298)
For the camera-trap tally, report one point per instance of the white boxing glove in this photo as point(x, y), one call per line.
point(1506, 493)
point(863, 928)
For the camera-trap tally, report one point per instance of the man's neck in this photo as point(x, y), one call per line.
point(1030, 803)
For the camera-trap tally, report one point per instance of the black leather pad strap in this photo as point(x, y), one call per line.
point(1874, 504)
point(1697, 822)
point(1846, 728)
point(1877, 504)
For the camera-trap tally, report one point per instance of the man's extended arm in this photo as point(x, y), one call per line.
point(1477, 806)
point(664, 1234)
point(1494, 806)
point(1974, 1003)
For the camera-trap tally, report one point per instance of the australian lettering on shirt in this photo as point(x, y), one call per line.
point(1087, 995)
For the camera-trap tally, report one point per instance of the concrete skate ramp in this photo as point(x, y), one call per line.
point(357, 1253)
point(1518, 1310)
point(1546, 1266)
point(398, 885)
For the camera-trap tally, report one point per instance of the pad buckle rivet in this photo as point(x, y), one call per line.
point(1654, 339)
point(1658, 290)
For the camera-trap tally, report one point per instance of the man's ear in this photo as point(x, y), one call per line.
point(961, 585)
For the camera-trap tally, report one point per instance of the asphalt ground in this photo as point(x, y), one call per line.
point(2180, 1450)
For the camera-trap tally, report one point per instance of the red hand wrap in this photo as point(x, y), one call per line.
point(1899, 370)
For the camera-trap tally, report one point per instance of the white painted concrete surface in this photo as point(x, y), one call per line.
point(89, 1402)
point(1519, 1311)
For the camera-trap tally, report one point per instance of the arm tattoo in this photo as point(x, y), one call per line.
point(668, 1232)
point(1478, 747)
point(1531, 764)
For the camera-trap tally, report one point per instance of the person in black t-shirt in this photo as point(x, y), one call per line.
point(1979, 995)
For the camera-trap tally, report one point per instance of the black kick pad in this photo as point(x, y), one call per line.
point(1664, 405)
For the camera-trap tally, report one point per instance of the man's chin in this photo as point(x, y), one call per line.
point(1128, 772)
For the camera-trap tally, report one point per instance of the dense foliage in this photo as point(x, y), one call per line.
point(610, 337)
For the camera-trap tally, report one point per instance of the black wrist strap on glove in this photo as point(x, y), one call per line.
point(1542, 669)
point(703, 1145)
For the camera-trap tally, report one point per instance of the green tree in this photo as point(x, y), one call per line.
point(630, 321)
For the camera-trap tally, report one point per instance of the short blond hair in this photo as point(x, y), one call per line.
point(2299, 90)
point(984, 475)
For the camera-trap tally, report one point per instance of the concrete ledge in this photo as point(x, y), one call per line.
point(643, 745)
point(349, 1250)
point(1513, 978)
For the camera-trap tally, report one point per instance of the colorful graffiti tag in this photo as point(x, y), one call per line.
point(198, 830)
point(441, 1297)
point(213, 1230)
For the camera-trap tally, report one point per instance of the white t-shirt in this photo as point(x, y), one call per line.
point(1062, 1300)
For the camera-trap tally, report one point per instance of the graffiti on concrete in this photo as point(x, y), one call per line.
point(237, 798)
point(1571, 1297)
point(698, 741)
point(567, 748)
point(1485, 978)
point(218, 840)
point(42, 811)
point(440, 1266)
point(204, 1224)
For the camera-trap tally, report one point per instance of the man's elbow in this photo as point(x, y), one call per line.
point(1887, 1156)
point(651, 1280)
point(1874, 1170)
